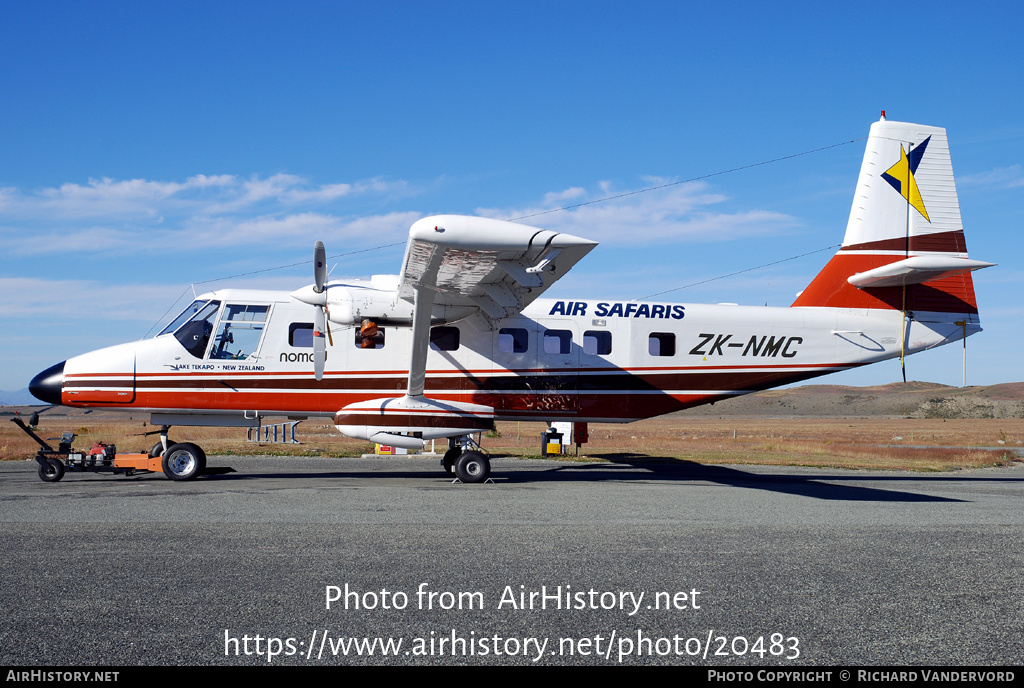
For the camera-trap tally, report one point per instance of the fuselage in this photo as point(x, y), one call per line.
point(586, 360)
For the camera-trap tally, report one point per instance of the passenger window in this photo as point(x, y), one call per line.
point(240, 330)
point(557, 342)
point(444, 338)
point(369, 336)
point(513, 340)
point(300, 335)
point(661, 344)
point(597, 342)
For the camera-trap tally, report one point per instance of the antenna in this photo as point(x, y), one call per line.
point(963, 324)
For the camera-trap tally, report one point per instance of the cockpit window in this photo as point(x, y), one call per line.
point(185, 316)
point(240, 331)
point(194, 335)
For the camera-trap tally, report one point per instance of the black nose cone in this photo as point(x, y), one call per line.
point(46, 385)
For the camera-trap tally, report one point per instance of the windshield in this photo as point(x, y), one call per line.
point(185, 316)
point(195, 333)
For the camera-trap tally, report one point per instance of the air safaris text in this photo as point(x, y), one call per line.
point(563, 597)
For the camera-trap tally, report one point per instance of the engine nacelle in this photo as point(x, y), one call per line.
point(351, 302)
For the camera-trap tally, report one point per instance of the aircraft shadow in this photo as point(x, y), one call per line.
point(673, 469)
point(627, 467)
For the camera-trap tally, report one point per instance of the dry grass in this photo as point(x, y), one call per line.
point(917, 444)
point(862, 443)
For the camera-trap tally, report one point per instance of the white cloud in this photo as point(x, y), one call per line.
point(263, 216)
point(265, 229)
point(332, 192)
point(138, 215)
point(71, 240)
point(202, 181)
point(676, 213)
point(557, 197)
point(88, 300)
point(204, 194)
point(1000, 177)
point(269, 230)
point(100, 197)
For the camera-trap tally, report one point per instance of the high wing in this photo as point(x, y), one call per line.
point(458, 267)
point(480, 265)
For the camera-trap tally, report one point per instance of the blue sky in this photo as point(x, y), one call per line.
point(148, 146)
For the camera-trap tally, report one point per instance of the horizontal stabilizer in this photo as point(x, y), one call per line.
point(915, 270)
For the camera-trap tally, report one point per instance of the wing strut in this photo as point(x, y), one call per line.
point(423, 302)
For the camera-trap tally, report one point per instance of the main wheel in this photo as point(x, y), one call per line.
point(53, 471)
point(472, 467)
point(183, 461)
point(450, 457)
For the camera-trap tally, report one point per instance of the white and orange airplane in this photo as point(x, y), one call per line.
point(461, 338)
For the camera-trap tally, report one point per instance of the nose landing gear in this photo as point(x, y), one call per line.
point(184, 461)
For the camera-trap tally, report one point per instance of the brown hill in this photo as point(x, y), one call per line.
point(896, 400)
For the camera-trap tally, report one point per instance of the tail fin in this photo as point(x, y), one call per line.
point(904, 247)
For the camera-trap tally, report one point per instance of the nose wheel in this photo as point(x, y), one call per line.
point(184, 461)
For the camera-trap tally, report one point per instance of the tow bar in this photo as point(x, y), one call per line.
point(102, 458)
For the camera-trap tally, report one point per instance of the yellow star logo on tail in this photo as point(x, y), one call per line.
point(901, 177)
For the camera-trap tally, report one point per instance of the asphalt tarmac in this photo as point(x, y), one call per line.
point(553, 563)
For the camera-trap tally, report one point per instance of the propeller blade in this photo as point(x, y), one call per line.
point(319, 343)
point(319, 267)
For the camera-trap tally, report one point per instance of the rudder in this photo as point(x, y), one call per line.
point(904, 247)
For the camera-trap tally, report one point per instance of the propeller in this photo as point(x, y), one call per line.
point(316, 296)
point(320, 326)
point(319, 267)
point(319, 343)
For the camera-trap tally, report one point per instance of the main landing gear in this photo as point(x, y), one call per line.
point(468, 465)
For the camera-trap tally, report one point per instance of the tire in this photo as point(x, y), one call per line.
point(472, 467)
point(53, 471)
point(183, 461)
point(157, 450)
point(450, 457)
